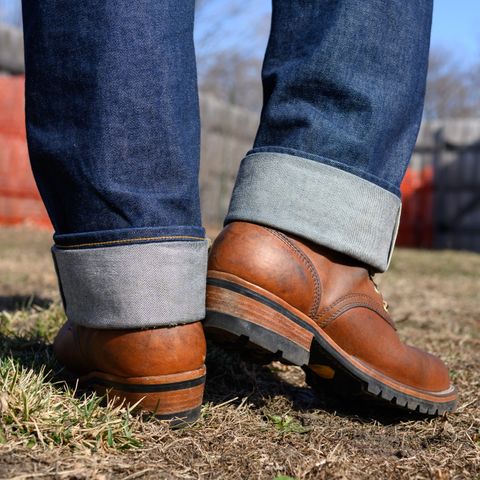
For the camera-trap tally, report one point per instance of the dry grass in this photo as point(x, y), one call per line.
point(257, 422)
point(38, 409)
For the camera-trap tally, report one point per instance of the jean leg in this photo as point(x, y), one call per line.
point(113, 134)
point(344, 85)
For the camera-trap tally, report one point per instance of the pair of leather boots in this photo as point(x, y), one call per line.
point(275, 297)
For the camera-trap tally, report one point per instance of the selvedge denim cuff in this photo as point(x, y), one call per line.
point(321, 203)
point(133, 285)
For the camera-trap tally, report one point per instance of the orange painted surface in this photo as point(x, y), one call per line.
point(416, 225)
point(20, 201)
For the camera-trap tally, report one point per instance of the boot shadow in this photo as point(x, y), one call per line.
point(32, 353)
point(29, 348)
point(231, 377)
point(11, 303)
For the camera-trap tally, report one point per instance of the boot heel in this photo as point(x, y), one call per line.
point(175, 397)
point(244, 318)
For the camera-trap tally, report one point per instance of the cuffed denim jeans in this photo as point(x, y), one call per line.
point(113, 132)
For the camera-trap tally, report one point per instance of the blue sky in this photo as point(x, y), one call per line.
point(456, 24)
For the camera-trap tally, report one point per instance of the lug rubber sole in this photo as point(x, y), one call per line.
point(247, 318)
point(174, 397)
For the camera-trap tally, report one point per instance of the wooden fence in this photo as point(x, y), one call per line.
point(11, 49)
point(441, 191)
point(227, 134)
point(450, 149)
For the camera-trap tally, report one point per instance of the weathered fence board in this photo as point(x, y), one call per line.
point(227, 134)
point(11, 49)
point(456, 163)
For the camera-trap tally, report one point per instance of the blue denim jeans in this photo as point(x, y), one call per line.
point(113, 131)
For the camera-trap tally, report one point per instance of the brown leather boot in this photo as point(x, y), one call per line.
point(289, 299)
point(163, 369)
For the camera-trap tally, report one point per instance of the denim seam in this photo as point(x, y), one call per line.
point(310, 267)
point(131, 240)
point(328, 161)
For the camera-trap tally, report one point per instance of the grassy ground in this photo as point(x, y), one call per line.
point(257, 422)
